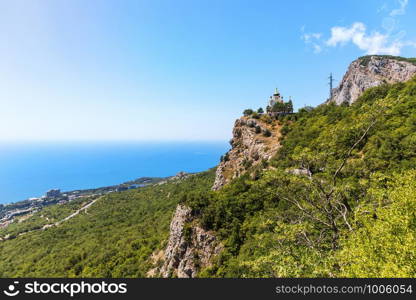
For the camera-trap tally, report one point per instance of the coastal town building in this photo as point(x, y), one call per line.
point(53, 193)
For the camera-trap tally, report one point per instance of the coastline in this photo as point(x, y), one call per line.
point(29, 170)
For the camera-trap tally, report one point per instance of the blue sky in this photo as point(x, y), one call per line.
point(177, 70)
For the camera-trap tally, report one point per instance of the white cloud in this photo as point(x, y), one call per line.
point(308, 37)
point(390, 40)
point(374, 43)
point(401, 10)
point(389, 24)
point(317, 48)
point(382, 8)
point(342, 35)
point(312, 39)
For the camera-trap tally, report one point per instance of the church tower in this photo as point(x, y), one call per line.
point(275, 98)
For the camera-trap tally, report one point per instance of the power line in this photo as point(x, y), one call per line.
point(331, 81)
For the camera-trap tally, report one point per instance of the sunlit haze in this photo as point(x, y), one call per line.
point(177, 70)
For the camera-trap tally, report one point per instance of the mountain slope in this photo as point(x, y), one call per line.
point(255, 141)
point(113, 238)
point(370, 71)
point(284, 223)
point(334, 198)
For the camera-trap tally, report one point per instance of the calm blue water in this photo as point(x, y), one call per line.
point(28, 170)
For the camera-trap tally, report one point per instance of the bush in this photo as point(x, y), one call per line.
point(260, 110)
point(383, 242)
point(187, 232)
point(251, 123)
point(257, 129)
point(266, 118)
point(247, 163)
point(226, 157)
point(248, 112)
point(285, 129)
point(305, 109)
point(267, 133)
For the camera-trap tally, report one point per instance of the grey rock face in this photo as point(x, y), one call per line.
point(248, 147)
point(186, 253)
point(369, 72)
point(300, 172)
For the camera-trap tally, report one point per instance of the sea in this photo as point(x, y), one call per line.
point(30, 169)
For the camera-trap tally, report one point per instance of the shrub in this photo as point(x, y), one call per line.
point(248, 112)
point(226, 157)
point(285, 129)
point(247, 163)
point(267, 133)
point(266, 118)
point(187, 232)
point(251, 123)
point(382, 243)
point(306, 109)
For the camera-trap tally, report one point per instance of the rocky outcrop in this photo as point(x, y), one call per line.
point(189, 248)
point(370, 71)
point(254, 141)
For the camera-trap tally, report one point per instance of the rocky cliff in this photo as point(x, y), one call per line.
point(370, 71)
point(254, 141)
point(189, 248)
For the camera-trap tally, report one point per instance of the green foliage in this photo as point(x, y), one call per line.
point(278, 107)
point(283, 224)
point(248, 112)
point(255, 115)
point(47, 215)
point(384, 239)
point(187, 232)
point(285, 107)
point(285, 129)
point(266, 119)
point(364, 60)
point(267, 132)
point(260, 110)
point(289, 106)
point(337, 200)
point(114, 238)
point(305, 110)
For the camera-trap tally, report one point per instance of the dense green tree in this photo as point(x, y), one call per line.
point(338, 199)
point(114, 238)
point(383, 241)
point(278, 107)
point(289, 106)
point(248, 112)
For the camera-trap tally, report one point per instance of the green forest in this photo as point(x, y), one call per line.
point(351, 212)
point(353, 215)
point(114, 238)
